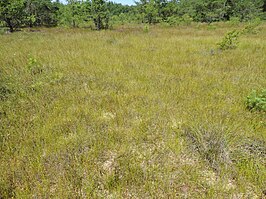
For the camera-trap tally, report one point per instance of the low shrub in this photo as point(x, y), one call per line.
point(146, 29)
point(230, 40)
point(33, 66)
point(251, 27)
point(256, 101)
point(4, 92)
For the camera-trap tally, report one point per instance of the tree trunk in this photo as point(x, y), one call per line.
point(10, 25)
point(99, 23)
point(73, 24)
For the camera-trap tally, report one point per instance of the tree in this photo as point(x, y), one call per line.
point(41, 12)
point(149, 11)
point(100, 14)
point(73, 13)
point(12, 13)
point(245, 9)
point(217, 10)
point(20, 13)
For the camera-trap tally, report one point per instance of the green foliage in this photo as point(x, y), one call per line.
point(33, 66)
point(74, 13)
point(82, 13)
point(2, 31)
point(100, 14)
point(186, 19)
point(256, 100)
point(234, 21)
point(41, 13)
point(149, 9)
point(245, 10)
point(230, 40)
point(20, 13)
point(174, 20)
point(210, 11)
point(251, 28)
point(146, 29)
point(12, 13)
point(4, 91)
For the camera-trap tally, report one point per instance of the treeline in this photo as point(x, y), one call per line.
point(99, 13)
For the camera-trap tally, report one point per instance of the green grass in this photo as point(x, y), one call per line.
point(129, 113)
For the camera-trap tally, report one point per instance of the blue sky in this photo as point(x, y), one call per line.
point(124, 2)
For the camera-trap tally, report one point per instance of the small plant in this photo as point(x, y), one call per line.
point(256, 101)
point(111, 41)
point(2, 31)
point(211, 27)
point(4, 92)
point(235, 21)
point(146, 29)
point(56, 77)
point(255, 147)
point(34, 66)
point(186, 19)
point(5, 89)
point(251, 28)
point(230, 40)
point(174, 20)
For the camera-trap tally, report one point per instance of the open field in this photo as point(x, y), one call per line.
point(131, 113)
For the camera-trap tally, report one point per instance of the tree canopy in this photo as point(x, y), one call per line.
point(33, 13)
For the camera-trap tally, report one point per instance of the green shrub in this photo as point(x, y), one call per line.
point(34, 66)
point(174, 20)
point(251, 27)
point(256, 101)
point(146, 29)
point(186, 19)
point(2, 31)
point(4, 92)
point(234, 21)
point(211, 27)
point(230, 40)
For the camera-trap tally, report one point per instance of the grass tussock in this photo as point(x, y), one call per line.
point(211, 144)
point(116, 114)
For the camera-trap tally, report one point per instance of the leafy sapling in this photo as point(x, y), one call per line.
point(256, 101)
point(230, 40)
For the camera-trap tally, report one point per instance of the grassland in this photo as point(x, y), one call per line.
point(131, 113)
